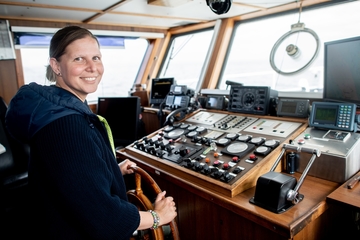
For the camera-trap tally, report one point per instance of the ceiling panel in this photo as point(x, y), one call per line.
point(129, 12)
point(50, 14)
point(91, 4)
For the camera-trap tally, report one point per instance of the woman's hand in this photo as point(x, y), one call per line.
point(125, 166)
point(165, 208)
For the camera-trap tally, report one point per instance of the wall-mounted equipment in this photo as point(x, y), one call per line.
point(252, 100)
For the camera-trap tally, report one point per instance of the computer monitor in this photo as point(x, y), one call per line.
point(342, 70)
point(122, 115)
point(160, 88)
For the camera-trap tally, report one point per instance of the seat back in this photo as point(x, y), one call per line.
point(13, 162)
point(14, 193)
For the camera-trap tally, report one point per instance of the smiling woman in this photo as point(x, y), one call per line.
point(121, 67)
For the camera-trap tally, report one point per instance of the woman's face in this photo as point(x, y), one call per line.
point(81, 67)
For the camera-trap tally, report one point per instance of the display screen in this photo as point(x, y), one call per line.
point(324, 114)
point(342, 70)
point(160, 88)
point(288, 107)
point(177, 101)
point(212, 101)
point(124, 127)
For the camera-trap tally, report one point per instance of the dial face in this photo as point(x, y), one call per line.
point(248, 99)
point(237, 147)
point(256, 140)
point(223, 141)
point(270, 143)
point(176, 133)
point(192, 134)
point(261, 149)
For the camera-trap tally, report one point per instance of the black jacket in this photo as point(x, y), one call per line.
point(77, 189)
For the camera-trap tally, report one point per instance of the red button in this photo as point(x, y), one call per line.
point(252, 156)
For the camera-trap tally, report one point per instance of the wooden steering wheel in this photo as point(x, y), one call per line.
point(137, 197)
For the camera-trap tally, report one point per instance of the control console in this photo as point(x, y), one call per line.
point(224, 152)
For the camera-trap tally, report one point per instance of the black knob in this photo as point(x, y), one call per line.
point(168, 148)
point(183, 152)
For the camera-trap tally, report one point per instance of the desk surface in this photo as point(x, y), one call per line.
point(343, 195)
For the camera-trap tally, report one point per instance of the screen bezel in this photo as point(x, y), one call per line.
point(329, 73)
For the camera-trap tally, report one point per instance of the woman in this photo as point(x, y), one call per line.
point(76, 185)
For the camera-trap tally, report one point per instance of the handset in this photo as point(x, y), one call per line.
point(171, 118)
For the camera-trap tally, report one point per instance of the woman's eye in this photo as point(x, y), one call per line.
point(78, 59)
point(97, 58)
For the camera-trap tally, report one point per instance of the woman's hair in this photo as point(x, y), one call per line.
point(60, 41)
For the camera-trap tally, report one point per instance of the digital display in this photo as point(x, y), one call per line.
point(326, 114)
point(288, 107)
point(178, 89)
point(160, 88)
point(215, 102)
point(177, 101)
point(212, 101)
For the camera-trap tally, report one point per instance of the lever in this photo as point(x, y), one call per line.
point(292, 194)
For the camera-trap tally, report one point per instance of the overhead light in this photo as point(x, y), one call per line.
point(219, 6)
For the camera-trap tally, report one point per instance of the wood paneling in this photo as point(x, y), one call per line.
point(205, 214)
point(8, 79)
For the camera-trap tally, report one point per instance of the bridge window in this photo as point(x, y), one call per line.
point(121, 67)
point(249, 56)
point(186, 56)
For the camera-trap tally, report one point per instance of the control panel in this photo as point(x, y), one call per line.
point(221, 151)
point(339, 159)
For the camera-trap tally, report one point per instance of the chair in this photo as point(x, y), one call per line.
point(13, 177)
point(137, 197)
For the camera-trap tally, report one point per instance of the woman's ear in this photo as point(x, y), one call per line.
point(55, 66)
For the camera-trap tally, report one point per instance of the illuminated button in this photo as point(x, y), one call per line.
point(307, 136)
point(216, 154)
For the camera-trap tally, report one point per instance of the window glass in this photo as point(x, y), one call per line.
point(186, 57)
point(249, 56)
point(121, 67)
